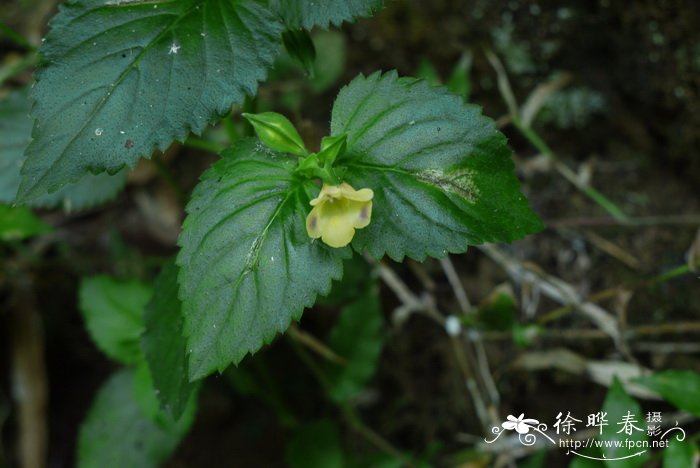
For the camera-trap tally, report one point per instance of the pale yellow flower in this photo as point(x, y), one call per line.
point(337, 212)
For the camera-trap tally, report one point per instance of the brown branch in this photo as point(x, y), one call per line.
point(29, 381)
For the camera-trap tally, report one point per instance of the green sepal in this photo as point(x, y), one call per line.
point(277, 132)
point(332, 147)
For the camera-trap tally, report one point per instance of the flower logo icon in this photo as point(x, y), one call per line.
point(521, 425)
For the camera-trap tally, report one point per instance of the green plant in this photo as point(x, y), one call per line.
point(408, 170)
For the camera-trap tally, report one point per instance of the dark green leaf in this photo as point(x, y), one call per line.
point(18, 222)
point(497, 311)
point(679, 454)
point(15, 135)
point(357, 278)
point(310, 13)
point(117, 434)
point(358, 338)
point(247, 266)
point(536, 460)
point(164, 345)
point(442, 174)
point(300, 47)
point(679, 387)
point(113, 312)
point(316, 445)
point(618, 405)
point(121, 79)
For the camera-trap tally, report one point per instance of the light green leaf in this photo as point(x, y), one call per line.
point(618, 406)
point(113, 313)
point(442, 174)
point(331, 55)
point(310, 13)
point(117, 434)
point(164, 345)
point(316, 445)
point(679, 387)
point(680, 454)
point(277, 132)
point(121, 79)
point(247, 266)
point(15, 135)
point(357, 337)
point(459, 82)
point(18, 222)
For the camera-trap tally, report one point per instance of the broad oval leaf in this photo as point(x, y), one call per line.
point(441, 172)
point(113, 312)
point(121, 78)
point(116, 432)
point(620, 407)
point(15, 135)
point(247, 266)
point(18, 222)
point(309, 13)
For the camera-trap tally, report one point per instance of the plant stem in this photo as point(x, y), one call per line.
point(16, 37)
point(200, 143)
point(349, 413)
point(12, 69)
point(532, 136)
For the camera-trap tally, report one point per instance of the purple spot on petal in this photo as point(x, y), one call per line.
point(312, 222)
point(363, 213)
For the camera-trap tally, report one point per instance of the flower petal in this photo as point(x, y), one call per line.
point(362, 195)
point(522, 428)
point(313, 228)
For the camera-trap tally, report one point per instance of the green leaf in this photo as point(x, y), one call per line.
point(121, 79)
point(679, 387)
point(277, 132)
point(357, 337)
point(247, 266)
point(619, 405)
point(497, 311)
point(331, 55)
point(427, 71)
point(459, 82)
point(316, 445)
point(357, 278)
point(18, 222)
point(15, 135)
point(164, 345)
point(113, 313)
point(117, 434)
point(442, 174)
point(310, 13)
point(679, 454)
point(582, 462)
point(300, 47)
